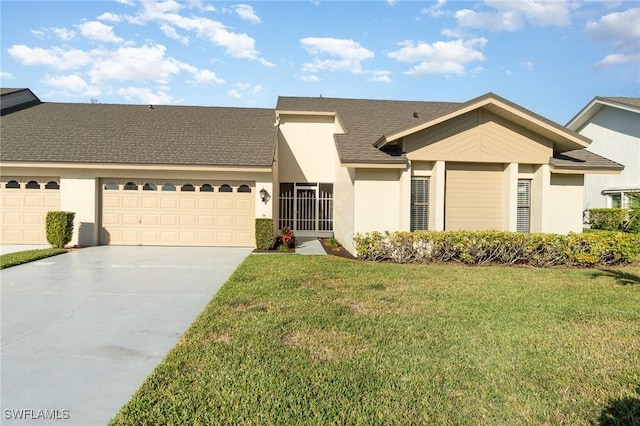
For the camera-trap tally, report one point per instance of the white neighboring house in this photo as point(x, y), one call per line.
point(613, 125)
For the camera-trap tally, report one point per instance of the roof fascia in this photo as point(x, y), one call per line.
point(133, 166)
point(583, 171)
point(370, 165)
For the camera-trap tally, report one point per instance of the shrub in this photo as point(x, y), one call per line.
point(607, 219)
point(59, 228)
point(286, 237)
point(481, 247)
point(264, 233)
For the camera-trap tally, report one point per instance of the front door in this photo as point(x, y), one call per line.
point(307, 208)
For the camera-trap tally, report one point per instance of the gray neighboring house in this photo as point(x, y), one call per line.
point(613, 125)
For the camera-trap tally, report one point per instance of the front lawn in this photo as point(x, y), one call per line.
point(18, 258)
point(322, 340)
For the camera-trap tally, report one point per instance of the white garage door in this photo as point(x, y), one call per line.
point(175, 213)
point(24, 203)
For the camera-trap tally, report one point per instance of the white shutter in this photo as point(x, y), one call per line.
point(524, 205)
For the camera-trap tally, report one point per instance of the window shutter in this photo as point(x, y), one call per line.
point(419, 204)
point(524, 206)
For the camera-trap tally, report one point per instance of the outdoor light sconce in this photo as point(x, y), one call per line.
point(264, 195)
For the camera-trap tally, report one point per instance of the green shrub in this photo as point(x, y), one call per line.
point(482, 247)
point(264, 233)
point(59, 227)
point(607, 219)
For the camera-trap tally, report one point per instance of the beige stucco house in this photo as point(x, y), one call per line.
point(180, 175)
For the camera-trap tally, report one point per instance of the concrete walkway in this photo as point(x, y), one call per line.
point(309, 246)
point(82, 330)
point(12, 248)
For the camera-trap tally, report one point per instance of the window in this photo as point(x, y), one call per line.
point(12, 184)
point(206, 188)
point(111, 186)
point(149, 186)
point(168, 187)
point(130, 186)
point(244, 188)
point(524, 206)
point(419, 204)
point(32, 184)
point(187, 187)
point(52, 185)
point(616, 200)
point(225, 188)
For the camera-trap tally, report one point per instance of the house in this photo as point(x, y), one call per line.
point(613, 125)
point(184, 175)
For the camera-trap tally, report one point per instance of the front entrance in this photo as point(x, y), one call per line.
point(307, 208)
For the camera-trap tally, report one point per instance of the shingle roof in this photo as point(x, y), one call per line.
point(581, 159)
point(136, 134)
point(633, 102)
point(365, 120)
point(7, 90)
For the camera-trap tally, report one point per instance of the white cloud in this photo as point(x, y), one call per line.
point(528, 65)
point(55, 57)
point(392, 2)
point(171, 32)
point(64, 34)
point(247, 13)
point(206, 77)
point(110, 17)
point(233, 93)
point(98, 31)
point(310, 78)
point(38, 34)
point(6, 75)
point(441, 57)
point(617, 59)
point(623, 30)
point(512, 15)
point(146, 96)
point(72, 85)
point(380, 76)
point(435, 10)
point(146, 63)
point(349, 54)
point(237, 45)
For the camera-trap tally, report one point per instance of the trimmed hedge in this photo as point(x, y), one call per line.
point(264, 233)
point(59, 226)
point(482, 247)
point(607, 219)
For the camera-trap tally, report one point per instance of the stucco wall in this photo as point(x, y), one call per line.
point(616, 135)
point(377, 199)
point(306, 149)
point(565, 203)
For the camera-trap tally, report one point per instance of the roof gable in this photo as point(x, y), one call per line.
point(596, 104)
point(562, 138)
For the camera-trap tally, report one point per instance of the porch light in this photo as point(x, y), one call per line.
point(264, 195)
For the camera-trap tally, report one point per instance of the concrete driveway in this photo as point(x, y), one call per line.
point(82, 330)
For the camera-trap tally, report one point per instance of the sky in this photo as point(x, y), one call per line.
point(551, 57)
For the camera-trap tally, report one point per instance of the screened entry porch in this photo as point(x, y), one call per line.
point(306, 208)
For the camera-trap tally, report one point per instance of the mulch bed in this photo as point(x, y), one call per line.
point(335, 251)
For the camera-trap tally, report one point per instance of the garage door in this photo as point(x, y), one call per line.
point(474, 196)
point(24, 203)
point(177, 213)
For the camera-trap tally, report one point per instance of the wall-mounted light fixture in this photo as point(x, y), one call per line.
point(264, 195)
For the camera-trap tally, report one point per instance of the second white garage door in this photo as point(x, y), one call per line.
point(177, 213)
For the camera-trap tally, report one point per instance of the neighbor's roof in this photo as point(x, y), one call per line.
point(599, 102)
point(138, 134)
point(583, 160)
point(7, 90)
point(365, 120)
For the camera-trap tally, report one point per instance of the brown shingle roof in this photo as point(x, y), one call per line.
point(365, 120)
point(581, 159)
point(136, 134)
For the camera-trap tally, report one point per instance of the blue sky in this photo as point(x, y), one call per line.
point(551, 57)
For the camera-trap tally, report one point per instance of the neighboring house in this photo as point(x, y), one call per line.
point(613, 125)
point(180, 175)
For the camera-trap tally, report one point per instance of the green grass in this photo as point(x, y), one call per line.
point(18, 258)
point(321, 340)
